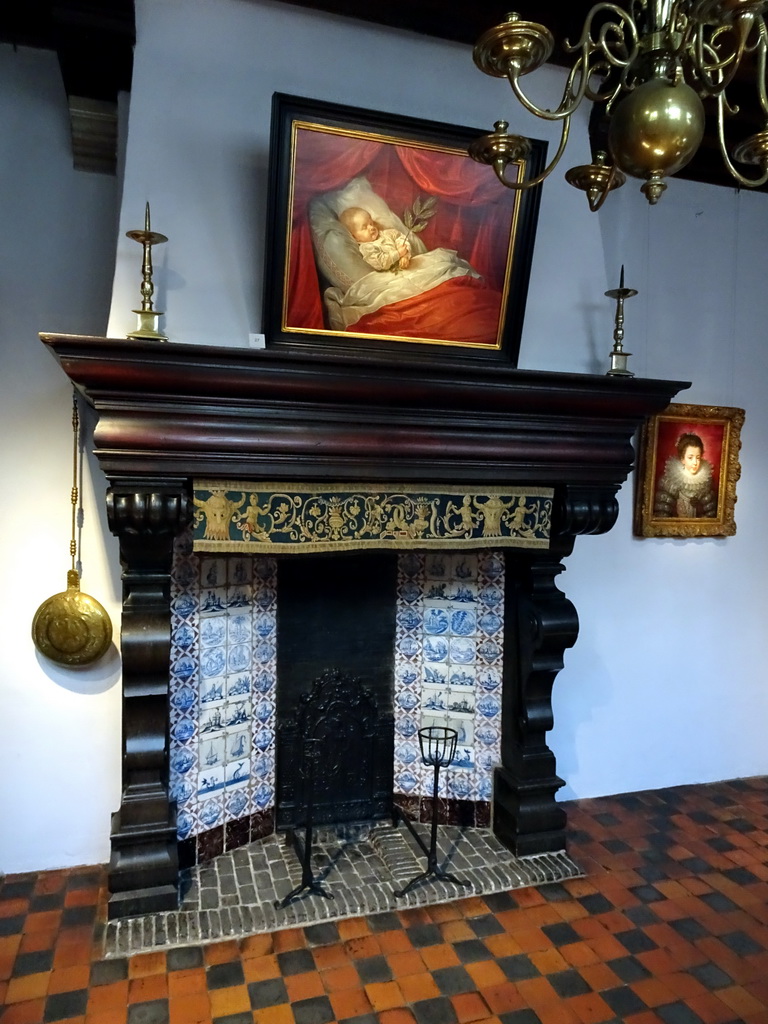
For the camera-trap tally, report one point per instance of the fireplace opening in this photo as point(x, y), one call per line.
point(335, 684)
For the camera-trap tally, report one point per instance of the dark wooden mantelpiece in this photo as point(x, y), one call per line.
point(168, 412)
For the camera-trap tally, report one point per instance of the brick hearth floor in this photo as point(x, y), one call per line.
point(669, 925)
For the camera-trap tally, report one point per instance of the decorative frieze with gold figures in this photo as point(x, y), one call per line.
point(280, 517)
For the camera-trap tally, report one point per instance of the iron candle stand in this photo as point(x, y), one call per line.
point(304, 850)
point(438, 746)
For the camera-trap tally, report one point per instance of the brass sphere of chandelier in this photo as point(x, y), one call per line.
point(651, 65)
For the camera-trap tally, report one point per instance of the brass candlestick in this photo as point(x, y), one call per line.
point(618, 355)
point(148, 317)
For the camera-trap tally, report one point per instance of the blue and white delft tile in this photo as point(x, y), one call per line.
point(184, 824)
point(460, 703)
point(435, 675)
point(210, 781)
point(212, 692)
point(212, 812)
point(237, 773)
point(464, 757)
point(487, 734)
point(184, 730)
point(489, 706)
point(462, 650)
point(263, 796)
point(237, 805)
point(460, 677)
point(488, 679)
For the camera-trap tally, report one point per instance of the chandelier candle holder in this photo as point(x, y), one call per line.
point(438, 747)
point(650, 66)
point(618, 355)
point(147, 328)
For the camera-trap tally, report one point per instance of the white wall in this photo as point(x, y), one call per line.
point(59, 752)
point(665, 683)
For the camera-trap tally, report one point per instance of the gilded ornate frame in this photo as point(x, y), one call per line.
point(719, 427)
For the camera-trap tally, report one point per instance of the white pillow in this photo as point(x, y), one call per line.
point(336, 251)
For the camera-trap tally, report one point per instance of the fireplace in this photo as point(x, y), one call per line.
point(170, 415)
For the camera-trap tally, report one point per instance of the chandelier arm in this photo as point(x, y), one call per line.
point(500, 166)
point(724, 70)
point(565, 109)
point(740, 178)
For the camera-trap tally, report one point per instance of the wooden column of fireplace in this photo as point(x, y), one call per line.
point(170, 412)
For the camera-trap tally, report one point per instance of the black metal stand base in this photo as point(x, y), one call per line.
point(308, 882)
point(433, 871)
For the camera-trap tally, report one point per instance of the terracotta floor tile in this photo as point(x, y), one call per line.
point(415, 987)
point(32, 942)
point(456, 931)
point(326, 957)
point(119, 1015)
point(469, 1006)
point(396, 1016)
point(188, 982)
point(529, 939)
point(339, 979)
point(69, 979)
point(590, 1008)
point(739, 1000)
point(485, 974)
point(352, 928)
point(289, 938)
point(536, 992)
point(351, 1003)
point(383, 995)
point(257, 945)
point(107, 997)
point(502, 945)
point(221, 952)
point(445, 912)
point(556, 1013)
point(29, 1012)
point(579, 954)
point(29, 986)
point(599, 976)
point(403, 964)
point(304, 986)
point(653, 992)
point(439, 956)
point(144, 964)
point(394, 942)
point(260, 968)
point(274, 1015)
point(142, 990)
point(362, 946)
point(713, 1010)
point(191, 1009)
point(504, 997)
point(227, 1001)
point(548, 960)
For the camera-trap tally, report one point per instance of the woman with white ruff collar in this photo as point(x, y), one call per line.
point(686, 489)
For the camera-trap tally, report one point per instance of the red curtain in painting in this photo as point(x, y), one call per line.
point(473, 214)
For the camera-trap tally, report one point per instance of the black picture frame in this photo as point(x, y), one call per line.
point(472, 235)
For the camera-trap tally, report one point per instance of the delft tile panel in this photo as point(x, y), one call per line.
point(448, 656)
point(239, 516)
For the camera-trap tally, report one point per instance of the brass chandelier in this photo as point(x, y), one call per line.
point(650, 65)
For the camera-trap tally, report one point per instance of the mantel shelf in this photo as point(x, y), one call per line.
point(168, 409)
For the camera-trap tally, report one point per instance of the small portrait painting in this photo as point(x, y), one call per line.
point(689, 467)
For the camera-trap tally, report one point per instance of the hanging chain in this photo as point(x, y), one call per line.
point(75, 444)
